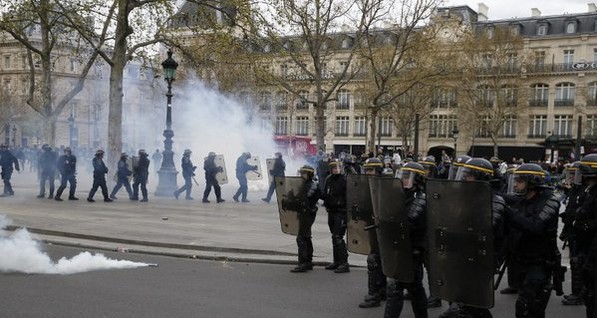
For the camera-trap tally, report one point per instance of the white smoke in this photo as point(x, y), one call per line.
point(21, 253)
point(205, 120)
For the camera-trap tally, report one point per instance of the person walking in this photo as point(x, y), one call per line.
point(242, 167)
point(141, 174)
point(188, 172)
point(122, 176)
point(67, 166)
point(99, 177)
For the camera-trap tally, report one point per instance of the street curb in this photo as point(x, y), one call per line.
point(148, 243)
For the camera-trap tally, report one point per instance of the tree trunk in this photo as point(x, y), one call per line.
point(372, 131)
point(320, 124)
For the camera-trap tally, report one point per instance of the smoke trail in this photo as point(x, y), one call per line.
point(23, 254)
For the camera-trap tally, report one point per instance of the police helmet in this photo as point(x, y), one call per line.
point(307, 170)
point(588, 166)
point(67, 149)
point(373, 166)
point(478, 168)
point(457, 163)
point(123, 155)
point(531, 174)
point(336, 166)
point(412, 173)
point(572, 173)
point(142, 152)
point(211, 154)
point(278, 155)
point(429, 164)
point(99, 152)
point(187, 152)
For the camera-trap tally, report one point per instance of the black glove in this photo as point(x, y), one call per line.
point(194, 167)
point(220, 169)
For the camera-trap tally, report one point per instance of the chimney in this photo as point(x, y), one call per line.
point(592, 7)
point(535, 12)
point(482, 12)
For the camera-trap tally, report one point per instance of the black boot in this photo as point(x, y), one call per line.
point(302, 267)
point(342, 268)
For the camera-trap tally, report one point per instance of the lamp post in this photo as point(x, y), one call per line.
point(455, 133)
point(14, 136)
point(167, 173)
point(71, 130)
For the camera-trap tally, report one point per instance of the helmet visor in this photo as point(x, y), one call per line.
point(465, 174)
point(407, 177)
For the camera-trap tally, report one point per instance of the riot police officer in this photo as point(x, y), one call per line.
point(575, 190)
point(242, 167)
point(141, 174)
point(412, 176)
point(7, 161)
point(376, 280)
point(585, 229)
point(67, 165)
point(533, 213)
point(457, 163)
point(47, 169)
point(211, 169)
point(306, 220)
point(277, 171)
point(479, 169)
point(122, 176)
point(99, 177)
point(188, 172)
point(334, 198)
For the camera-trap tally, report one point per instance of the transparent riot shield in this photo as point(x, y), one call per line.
point(269, 163)
point(221, 176)
point(360, 214)
point(392, 230)
point(254, 174)
point(291, 202)
point(460, 239)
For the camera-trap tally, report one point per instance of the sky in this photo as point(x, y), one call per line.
point(506, 9)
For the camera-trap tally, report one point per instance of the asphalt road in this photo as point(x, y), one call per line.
point(195, 288)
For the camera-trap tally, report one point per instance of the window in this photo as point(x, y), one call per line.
point(342, 126)
point(441, 125)
point(282, 101)
point(509, 128)
point(347, 43)
point(486, 61)
point(591, 126)
point(360, 126)
point(539, 95)
point(7, 85)
point(562, 125)
point(510, 96)
point(486, 96)
point(483, 124)
point(542, 29)
point(538, 126)
point(74, 65)
point(265, 124)
point(444, 98)
point(592, 94)
point(301, 102)
point(386, 126)
point(594, 55)
point(512, 61)
point(283, 70)
point(565, 93)
point(343, 99)
point(570, 27)
point(302, 125)
point(490, 32)
point(539, 60)
point(281, 125)
point(266, 101)
point(7, 61)
point(568, 57)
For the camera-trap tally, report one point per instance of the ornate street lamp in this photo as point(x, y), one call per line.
point(455, 133)
point(167, 173)
point(14, 136)
point(71, 130)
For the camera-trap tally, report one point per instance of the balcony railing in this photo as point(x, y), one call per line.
point(341, 134)
point(507, 136)
point(444, 104)
point(342, 106)
point(359, 134)
point(265, 107)
point(537, 136)
point(591, 102)
point(564, 102)
point(538, 102)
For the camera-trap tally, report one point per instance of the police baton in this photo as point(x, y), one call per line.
point(500, 275)
point(197, 183)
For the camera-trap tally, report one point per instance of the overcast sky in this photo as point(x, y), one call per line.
point(506, 9)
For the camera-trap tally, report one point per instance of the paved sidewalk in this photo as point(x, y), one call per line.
point(227, 231)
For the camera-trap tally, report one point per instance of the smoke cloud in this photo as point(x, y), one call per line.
point(21, 253)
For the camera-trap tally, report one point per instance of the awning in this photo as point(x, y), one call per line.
point(506, 153)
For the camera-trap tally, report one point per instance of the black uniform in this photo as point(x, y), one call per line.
point(242, 167)
point(416, 207)
point(188, 172)
point(7, 161)
point(577, 252)
point(277, 171)
point(334, 198)
point(211, 169)
point(67, 165)
point(534, 250)
point(47, 169)
point(141, 173)
point(306, 219)
point(122, 175)
point(99, 179)
point(585, 228)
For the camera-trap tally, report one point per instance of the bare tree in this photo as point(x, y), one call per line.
point(492, 85)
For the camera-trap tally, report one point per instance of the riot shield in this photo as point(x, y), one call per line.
point(460, 238)
point(221, 176)
point(291, 201)
point(269, 163)
point(360, 214)
point(392, 230)
point(254, 174)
